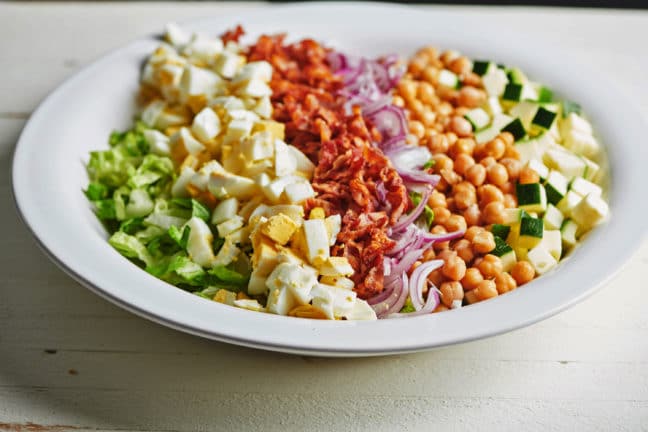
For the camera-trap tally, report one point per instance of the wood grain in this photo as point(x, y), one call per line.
point(69, 359)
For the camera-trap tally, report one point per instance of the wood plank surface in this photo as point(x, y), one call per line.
point(70, 360)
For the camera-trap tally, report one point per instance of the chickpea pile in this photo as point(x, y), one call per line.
point(477, 180)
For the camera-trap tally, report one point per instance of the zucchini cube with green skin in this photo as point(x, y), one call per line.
point(544, 118)
point(568, 163)
point(591, 169)
point(513, 92)
point(568, 232)
point(556, 187)
point(505, 253)
point(570, 107)
point(553, 218)
point(540, 168)
point(501, 231)
point(525, 111)
point(448, 79)
point(478, 118)
point(585, 187)
point(531, 232)
point(515, 75)
point(531, 197)
point(515, 128)
point(568, 203)
point(481, 67)
point(512, 216)
point(545, 94)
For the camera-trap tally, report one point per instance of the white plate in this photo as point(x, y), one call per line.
point(49, 175)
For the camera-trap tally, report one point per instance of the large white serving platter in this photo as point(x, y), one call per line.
point(49, 175)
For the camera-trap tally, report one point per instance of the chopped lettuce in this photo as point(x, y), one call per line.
point(130, 247)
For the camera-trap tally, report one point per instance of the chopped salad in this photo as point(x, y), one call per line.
point(293, 179)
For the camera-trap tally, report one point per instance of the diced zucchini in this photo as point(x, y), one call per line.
point(540, 168)
point(525, 111)
point(501, 231)
point(553, 218)
point(515, 75)
point(570, 107)
point(585, 187)
point(568, 203)
point(448, 79)
point(569, 164)
point(513, 92)
point(541, 260)
point(481, 67)
point(513, 216)
point(493, 106)
point(531, 197)
point(545, 94)
point(478, 117)
point(544, 118)
point(505, 253)
point(535, 148)
point(515, 128)
point(494, 82)
point(514, 236)
point(552, 242)
point(556, 187)
point(499, 121)
point(591, 169)
point(581, 143)
point(531, 232)
point(589, 212)
point(521, 253)
point(568, 232)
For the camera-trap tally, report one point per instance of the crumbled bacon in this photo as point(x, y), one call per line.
point(353, 177)
point(233, 35)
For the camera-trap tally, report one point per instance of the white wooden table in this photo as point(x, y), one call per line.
point(70, 360)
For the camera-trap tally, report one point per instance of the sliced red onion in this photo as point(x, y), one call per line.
point(390, 121)
point(400, 301)
point(395, 300)
point(409, 219)
point(419, 280)
point(406, 262)
point(337, 60)
point(393, 144)
point(419, 177)
point(445, 236)
point(430, 304)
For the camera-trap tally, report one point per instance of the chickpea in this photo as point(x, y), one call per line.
point(508, 187)
point(454, 268)
point(464, 199)
point(513, 167)
point(527, 175)
point(428, 255)
point(462, 162)
point(493, 213)
point(452, 137)
point(442, 162)
point(451, 205)
point(476, 174)
point(398, 101)
point(417, 64)
point(463, 146)
point(471, 79)
point(445, 108)
point(464, 186)
point(504, 283)
point(487, 161)
point(472, 278)
point(416, 108)
point(451, 291)
point(440, 229)
point(522, 272)
point(407, 89)
point(512, 152)
point(483, 242)
point(430, 74)
point(416, 264)
point(428, 117)
point(486, 290)
point(436, 199)
point(461, 111)
point(455, 223)
point(442, 186)
point(471, 297)
point(448, 56)
point(472, 215)
point(488, 194)
point(446, 254)
point(425, 92)
point(495, 148)
point(441, 215)
point(510, 201)
point(464, 250)
point(507, 137)
point(471, 97)
point(440, 308)
point(497, 174)
point(461, 127)
point(450, 176)
point(490, 266)
point(460, 65)
point(429, 51)
point(438, 144)
point(472, 232)
point(436, 277)
point(417, 128)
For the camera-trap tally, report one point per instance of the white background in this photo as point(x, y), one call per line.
point(70, 359)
